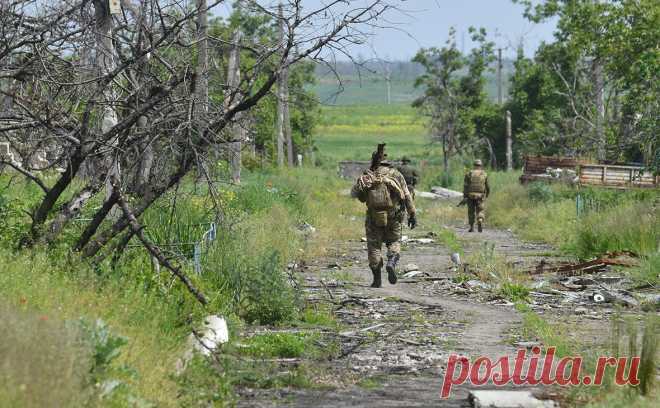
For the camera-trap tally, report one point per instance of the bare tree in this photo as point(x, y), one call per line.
point(146, 105)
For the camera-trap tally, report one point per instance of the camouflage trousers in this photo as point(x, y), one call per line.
point(475, 210)
point(390, 235)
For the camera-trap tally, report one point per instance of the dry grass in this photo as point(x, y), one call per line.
point(43, 361)
point(31, 282)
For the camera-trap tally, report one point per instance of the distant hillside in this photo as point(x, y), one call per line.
point(365, 83)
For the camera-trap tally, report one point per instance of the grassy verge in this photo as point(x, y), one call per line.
point(624, 339)
point(260, 231)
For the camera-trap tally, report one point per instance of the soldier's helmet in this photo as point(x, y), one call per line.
point(405, 160)
point(478, 163)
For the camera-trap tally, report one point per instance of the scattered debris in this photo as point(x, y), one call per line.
point(474, 283)
point(596, 265)
point(412, 274)
point(422, 241)
point(410, 267)
point(306, 228)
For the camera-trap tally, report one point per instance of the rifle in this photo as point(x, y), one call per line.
point(462, 203)
point(378, 156)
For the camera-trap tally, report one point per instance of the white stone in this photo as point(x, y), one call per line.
point(507, 399)
point(214, 333)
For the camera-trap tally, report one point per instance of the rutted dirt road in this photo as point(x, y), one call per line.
point(395, 340)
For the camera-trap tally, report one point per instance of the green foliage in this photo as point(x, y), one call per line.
point(552, 97)
point(270, 297)
point(202, 385)
point(261, 28)
point(540, 192)
point(105, 347)
point(514, 292)
point(612, 230)
point(455, 104)
point(285, 345)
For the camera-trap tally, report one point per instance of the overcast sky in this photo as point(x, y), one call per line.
point(427, 23)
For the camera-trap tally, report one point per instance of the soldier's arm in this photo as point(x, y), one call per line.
point(415, 177)
point(407, 200)
point(466, 184)
point(487, 187)
point(359, 194)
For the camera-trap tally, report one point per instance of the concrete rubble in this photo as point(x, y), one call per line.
point(507, 399)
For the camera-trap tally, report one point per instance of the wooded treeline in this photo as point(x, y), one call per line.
point(593, 92)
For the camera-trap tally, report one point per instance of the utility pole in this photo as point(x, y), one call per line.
point(499, 76)
point(388, 82)
point(509, 143)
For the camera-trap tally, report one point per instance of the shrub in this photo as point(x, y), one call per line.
point(286, 345)
point(269, 297)
point(514, 292)
point(540, 193)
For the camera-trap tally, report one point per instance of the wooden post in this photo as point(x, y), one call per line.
point(509, 143)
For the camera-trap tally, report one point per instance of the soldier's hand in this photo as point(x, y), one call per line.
point(412, 221)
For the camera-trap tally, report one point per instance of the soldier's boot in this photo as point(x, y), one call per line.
point(480, 227)
point(392, 260)
point(377, 283)
point(471, 228)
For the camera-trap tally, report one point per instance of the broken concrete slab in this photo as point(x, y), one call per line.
point(446, 193)
point(421, 240)
point(507, 399)
point(411, 267)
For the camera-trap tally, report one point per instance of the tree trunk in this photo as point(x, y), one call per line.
point(509, 143)
point(281, 96)
point(237, 131)
point(599, 106)
point(105, 60)
point(202, 68)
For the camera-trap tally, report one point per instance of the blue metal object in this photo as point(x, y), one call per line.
point(197, 258)
point(579, 204)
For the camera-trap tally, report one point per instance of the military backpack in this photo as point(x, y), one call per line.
point(477, 184)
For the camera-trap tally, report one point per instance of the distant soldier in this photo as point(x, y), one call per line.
point(383, 189)
point(410, 174)
point(475, 190)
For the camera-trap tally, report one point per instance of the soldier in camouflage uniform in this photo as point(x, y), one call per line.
point(475, 190)
point(384, 215)
point(410, 174)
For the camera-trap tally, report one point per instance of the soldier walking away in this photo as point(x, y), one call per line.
point(475, 191)
point(383, 189)
point(409, 173)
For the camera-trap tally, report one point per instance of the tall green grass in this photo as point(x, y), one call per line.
point(618, 221)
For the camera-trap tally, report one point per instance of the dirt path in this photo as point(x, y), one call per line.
point(397, 338)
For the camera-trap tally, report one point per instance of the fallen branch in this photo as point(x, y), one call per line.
point(138, 230)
